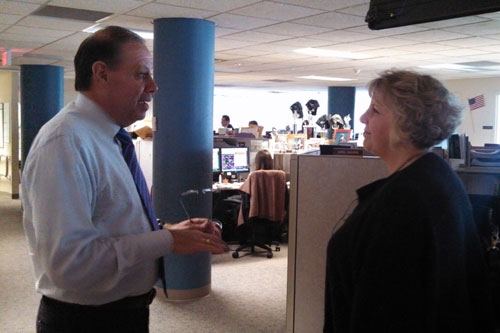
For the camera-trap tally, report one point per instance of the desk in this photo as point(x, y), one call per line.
point(226, 186)
point(226, 211)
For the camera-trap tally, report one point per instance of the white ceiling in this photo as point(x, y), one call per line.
point(256, 39)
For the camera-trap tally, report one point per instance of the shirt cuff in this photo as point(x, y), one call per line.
point(159, 243)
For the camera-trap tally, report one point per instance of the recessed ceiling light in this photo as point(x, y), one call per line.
point(71, 13)
point(144, 34)
point(325, 78)
point(331, 54)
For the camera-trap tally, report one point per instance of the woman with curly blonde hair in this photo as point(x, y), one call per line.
point(408, 258)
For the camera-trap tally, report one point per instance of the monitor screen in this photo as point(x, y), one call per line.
point(234, 159)
point(216, 160)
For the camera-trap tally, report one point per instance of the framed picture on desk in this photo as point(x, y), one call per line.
point(342, 135)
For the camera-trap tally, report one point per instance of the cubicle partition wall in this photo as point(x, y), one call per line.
point(322, 189)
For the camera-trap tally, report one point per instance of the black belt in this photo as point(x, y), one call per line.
point(132, 302)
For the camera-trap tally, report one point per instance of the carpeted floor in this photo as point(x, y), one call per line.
point(248, 294)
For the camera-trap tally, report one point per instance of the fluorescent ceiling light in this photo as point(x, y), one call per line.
point(331, 54)
point(455, 67)
point(325, 78)
point(142, 33)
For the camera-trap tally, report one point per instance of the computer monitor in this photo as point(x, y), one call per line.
point(234, 159)
point(216, 160)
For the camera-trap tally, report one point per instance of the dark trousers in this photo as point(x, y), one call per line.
point(130, 314)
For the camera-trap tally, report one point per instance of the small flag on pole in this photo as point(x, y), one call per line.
point(476, 102)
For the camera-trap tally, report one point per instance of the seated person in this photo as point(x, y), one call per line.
point(253, 123)
point(226, 122)
point(263, 161)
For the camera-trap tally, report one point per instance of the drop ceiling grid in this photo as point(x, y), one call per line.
point(263, 34)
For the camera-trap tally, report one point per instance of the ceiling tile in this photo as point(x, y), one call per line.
point(424, 47)
point(384, 53)
point(489, 48)
point(432, 36)
point(17, 44)
point(32, 61)
point(111, 6)
point(493, 16)
point(38, 32)
point(240, 53)
point(272, 47)
point(50, 23)
point(158, 10)
point(477, 29)
point(276, 11)
point(18, 8)
point(67, 44)
point(9, 18)
point(459, 52)
point(470, 42)
point(222, 44)
point(350, 47)
point(253, 36)
point(326, 4)
point(240, 22)
point(36, 39)
point(360, 10)
point(383, 42)
point(131, 22)
point(387, 32)
point(292, 29)
point(340, 36)
point(333, 20)
point(303, 42)
point(219, 31)
point(212, 5)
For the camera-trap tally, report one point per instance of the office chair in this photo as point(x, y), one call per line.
point(263, 209)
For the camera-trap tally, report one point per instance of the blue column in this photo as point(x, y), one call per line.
point(341, 102)
point(41, 98)
point(183, 140)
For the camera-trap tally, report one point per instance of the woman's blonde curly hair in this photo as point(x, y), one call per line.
point(425, 112)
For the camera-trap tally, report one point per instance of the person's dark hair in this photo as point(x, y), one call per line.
point(253, 122)
point(425, 112)
point(104, 45)
point(263, 160)
point(226, 118)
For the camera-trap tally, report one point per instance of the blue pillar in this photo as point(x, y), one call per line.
point(41, 98)
point(341, 102)
point(183, 140)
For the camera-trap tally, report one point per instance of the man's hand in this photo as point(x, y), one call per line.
point(196, 235)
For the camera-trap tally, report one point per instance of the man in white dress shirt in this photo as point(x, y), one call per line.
point(94, 253)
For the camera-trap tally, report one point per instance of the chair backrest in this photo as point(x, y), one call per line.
point(267, 190)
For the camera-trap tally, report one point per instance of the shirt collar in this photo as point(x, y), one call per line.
point(102, 120)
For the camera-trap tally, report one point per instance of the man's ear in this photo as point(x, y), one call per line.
point(100, 72)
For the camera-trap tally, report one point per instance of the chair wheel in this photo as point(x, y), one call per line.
point(270, 255)
point(277, 249)
point(235, 255)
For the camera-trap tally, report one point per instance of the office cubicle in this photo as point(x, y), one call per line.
point(322, 187)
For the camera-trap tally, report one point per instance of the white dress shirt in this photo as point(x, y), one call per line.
point(89, 238)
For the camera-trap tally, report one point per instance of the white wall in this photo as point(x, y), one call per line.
point(474, 121)
point(269, 109)
point(273, 109)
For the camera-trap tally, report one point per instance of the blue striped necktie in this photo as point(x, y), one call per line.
point(128, 152)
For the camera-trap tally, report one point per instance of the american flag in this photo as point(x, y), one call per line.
point(476, 102)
